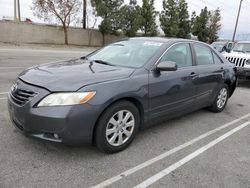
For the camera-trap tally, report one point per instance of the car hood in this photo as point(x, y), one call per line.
point(237, 54)
point(72, 75)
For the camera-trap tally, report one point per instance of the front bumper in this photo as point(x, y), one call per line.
point(243, 73)
point(67, 124)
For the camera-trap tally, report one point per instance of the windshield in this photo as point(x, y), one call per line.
point(242, 47)
point(131, 53)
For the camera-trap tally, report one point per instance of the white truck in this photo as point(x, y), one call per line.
point(240, 56)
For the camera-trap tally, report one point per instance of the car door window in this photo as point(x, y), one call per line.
point(217, 60)
point(180, 54)
point(204, 55)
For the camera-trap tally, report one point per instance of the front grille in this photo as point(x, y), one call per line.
point(239, 62)
point(20, 96)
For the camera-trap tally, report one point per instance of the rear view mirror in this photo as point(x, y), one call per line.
point(166, 66)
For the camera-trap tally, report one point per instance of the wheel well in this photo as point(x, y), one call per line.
point(231, 87)
point(134, 101)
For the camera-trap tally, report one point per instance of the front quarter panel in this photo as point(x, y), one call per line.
point(136, 87)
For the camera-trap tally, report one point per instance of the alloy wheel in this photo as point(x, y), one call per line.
point(222, 98)
point(120, 128)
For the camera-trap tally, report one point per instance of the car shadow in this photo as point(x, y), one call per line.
point(90, 151)
point(244, 83)
point(58, 150)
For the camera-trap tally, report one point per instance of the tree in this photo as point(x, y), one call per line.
point(214, 25)
point(184, 23)
point(200, 25)
point(175, 19)
point(192, 21)
point(148, 13)
point(65, 11)
point(130, 18)
point(169, 18)
point(108, 10)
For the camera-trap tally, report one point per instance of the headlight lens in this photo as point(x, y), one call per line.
point(62, 99)
point(248, 62)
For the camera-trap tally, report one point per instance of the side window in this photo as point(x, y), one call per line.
point(203, 55)
point(180, 54)
point(217, 60)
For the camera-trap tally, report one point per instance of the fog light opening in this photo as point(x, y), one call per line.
point(53, 136)
point(56, 136)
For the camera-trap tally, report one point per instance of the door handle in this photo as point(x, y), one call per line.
point(193, 75)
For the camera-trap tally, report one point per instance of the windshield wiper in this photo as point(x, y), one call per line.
point(102, 62)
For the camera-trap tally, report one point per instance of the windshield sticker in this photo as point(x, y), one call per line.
point(152, 43)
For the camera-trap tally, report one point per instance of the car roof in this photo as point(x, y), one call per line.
point(219, 42)
point(161, 39)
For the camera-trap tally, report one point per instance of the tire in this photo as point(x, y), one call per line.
point(113, 135)
point(222, 95)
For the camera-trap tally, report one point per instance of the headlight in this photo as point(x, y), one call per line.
point(248, 62)
point(62, 99)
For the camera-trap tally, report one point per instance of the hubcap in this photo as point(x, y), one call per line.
point(222, 98)
point(120, 128)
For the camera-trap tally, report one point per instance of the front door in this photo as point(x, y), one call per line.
point(173, 92)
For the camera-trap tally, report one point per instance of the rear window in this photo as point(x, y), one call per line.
point(203, 54)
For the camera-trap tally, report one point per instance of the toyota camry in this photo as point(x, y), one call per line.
point(106, 97)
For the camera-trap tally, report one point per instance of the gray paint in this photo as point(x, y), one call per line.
point(158, 95)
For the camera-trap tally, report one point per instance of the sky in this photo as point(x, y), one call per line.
point(229, 9)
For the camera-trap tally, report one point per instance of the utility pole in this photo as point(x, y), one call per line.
point(84, 20)
point(18, 9)
point(237, 20)
point(14, 10)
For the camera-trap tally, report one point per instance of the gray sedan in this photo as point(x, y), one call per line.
point(107, 96)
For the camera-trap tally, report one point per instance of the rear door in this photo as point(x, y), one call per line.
point(173, 92)
point(210, 72)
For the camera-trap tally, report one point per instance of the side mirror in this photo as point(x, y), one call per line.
point(166, 66)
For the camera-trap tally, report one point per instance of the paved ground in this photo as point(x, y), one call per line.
point(191, 151)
